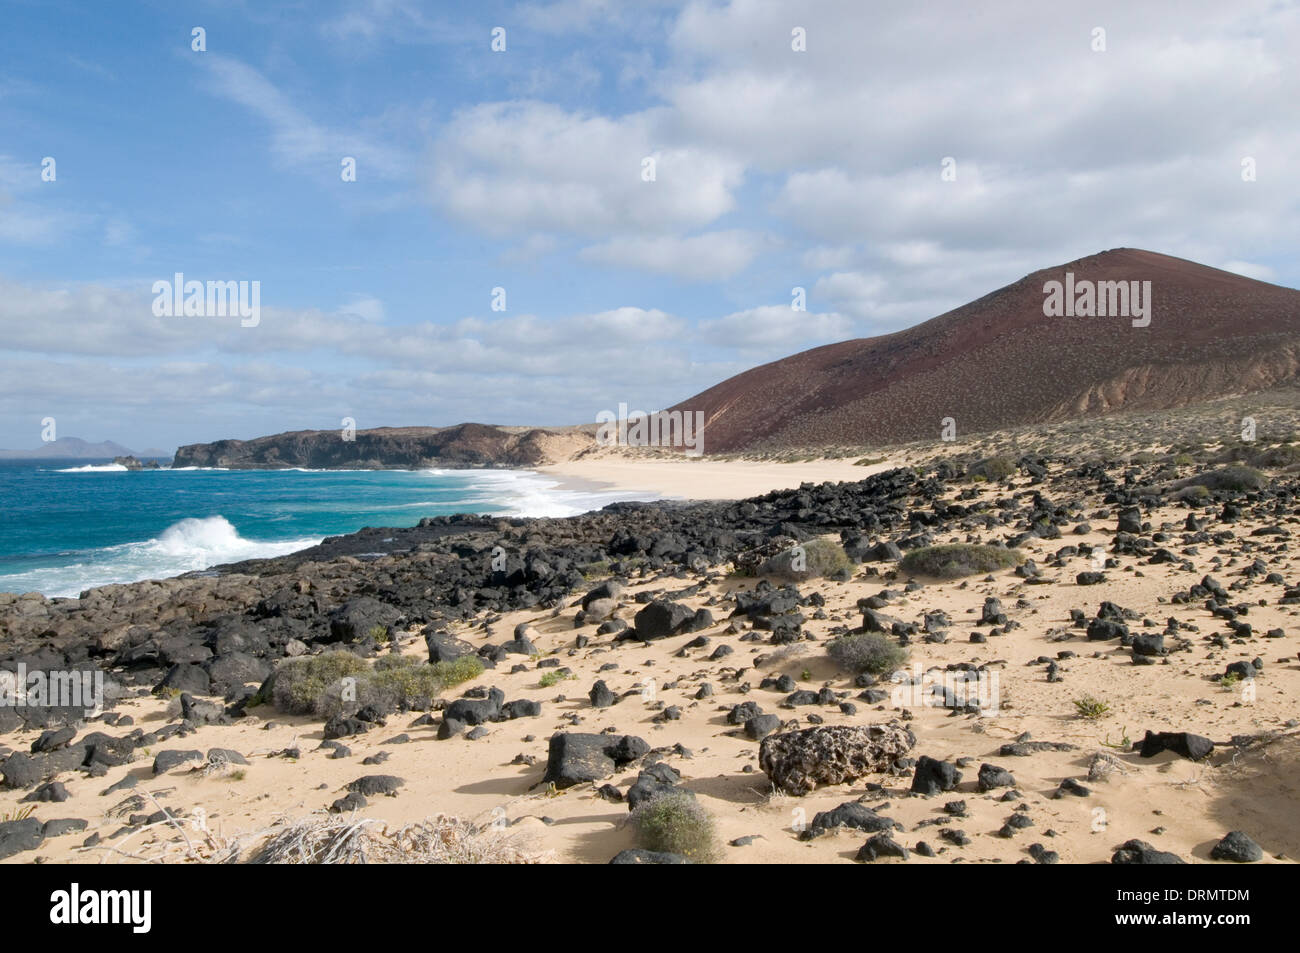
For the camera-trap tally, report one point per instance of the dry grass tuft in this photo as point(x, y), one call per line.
point(330, 839)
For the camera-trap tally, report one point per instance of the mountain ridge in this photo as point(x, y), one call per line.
point(1212, 334)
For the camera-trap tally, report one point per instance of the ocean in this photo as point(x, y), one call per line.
point(67, 526)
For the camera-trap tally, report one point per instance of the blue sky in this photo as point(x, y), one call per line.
point(521, 169)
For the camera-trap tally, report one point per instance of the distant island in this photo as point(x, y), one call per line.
point(74, 448)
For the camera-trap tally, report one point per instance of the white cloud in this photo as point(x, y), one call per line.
point(852, 292)
point(297, 140)
point(509, 168)
point(1250, 270)
point(713, 256)
point(775, 330)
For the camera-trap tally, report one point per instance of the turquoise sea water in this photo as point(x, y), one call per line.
point(66, 526)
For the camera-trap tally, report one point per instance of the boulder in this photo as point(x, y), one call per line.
point(661, 619)
point(797, 761)
point(575, 757)
point(1184, 743)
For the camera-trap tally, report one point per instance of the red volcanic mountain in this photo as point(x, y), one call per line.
point(1000, 362)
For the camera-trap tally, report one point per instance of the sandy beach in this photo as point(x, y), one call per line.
point(702, 478)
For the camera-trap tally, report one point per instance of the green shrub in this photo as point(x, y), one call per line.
point(866, 652)
point(400, 682)
point(954, 560)
point(1089, 707)
point(315, 686)
point(299, 684)
point(675, 822)
point(992, 469)
point(461, 670)
point(554, 677)
point(814, 559)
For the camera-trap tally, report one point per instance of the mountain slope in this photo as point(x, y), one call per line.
point(999, 362)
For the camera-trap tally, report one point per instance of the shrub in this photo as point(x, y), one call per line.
point(675, 822)
point(298, 684)
point(461, 670)
point(400, 682)
point(992, 469)
point(1230, 479)
point(819, 558)
point(1274, 458)
point(866, 652)
point(1089, 707)
point(314, 686)
point(343, 839)
point(554, 677)
point(957, 559)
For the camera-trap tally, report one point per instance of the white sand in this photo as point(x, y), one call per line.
point(702, 478)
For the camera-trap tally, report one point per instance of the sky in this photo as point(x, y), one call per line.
point(506, 254)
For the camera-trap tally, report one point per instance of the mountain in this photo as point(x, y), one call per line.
point(69, 448)
point(999, 361)
point(465, 445)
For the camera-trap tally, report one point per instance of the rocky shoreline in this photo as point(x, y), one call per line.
point(635, 576)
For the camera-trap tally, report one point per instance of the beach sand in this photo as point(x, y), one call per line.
point(701, 478)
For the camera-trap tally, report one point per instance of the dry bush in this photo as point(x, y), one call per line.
point(866, 652)
point(335, 839)
point(677, 824)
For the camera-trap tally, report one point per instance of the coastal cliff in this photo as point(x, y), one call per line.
point(464, 445)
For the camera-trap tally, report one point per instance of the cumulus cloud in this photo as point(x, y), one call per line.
point(772, 331)
point(506, 168)
point(713, 256)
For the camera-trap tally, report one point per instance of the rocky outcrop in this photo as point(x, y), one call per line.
point(132, 463)
point(465, 445)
